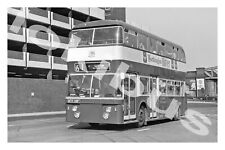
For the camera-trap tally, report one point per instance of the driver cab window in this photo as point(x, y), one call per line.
point(129, 85)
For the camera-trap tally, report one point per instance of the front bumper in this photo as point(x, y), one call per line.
point(94, 111)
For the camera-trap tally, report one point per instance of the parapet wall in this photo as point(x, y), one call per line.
point(35, 95)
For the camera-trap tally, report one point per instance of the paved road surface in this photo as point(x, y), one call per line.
point(57, 130)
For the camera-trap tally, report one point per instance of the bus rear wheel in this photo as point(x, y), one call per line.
point(141, 117)
point(177, 115)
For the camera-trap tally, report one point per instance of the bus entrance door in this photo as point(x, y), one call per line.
point(130, 97)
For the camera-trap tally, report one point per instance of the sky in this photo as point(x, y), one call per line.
point(195, 29)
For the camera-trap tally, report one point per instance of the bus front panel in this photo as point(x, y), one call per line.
point(94, 112)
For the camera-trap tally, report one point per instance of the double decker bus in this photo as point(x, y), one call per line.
point(113, 71)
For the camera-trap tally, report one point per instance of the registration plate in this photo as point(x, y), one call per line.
point(73, 101)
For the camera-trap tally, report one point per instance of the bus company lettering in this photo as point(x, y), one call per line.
point(154, 59)
point(159, 61)
point(165, 63)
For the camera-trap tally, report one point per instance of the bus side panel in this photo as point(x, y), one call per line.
point(165, 101)
point(162, 104)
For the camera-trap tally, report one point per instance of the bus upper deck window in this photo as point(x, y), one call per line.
point(85, 36)
point(108, 35)
point(142, 42)
point(130, 38)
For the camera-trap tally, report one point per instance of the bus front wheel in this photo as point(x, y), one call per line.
point(141, 117)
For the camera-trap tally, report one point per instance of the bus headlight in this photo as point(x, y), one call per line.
point(108, 109)
point(105, 115)
point(77, 114)
point(74, 108)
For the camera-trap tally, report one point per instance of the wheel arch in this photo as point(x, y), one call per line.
point(142, 103)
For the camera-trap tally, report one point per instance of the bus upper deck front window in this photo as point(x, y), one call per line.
point(108, 35)
point(85, 35)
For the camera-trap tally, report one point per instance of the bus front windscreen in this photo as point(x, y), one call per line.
point(94, 86)
point(102, 36)
point(80, 85)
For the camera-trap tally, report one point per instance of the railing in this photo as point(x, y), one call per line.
point(19, 32)
point(76, 22)
point(40, 35)
point(16, 58)
point(63, 39)
point(15, 54)
point(62, 21)
point(17, 11)
point(38, 14)
point(58, 63)
point(60, 18)
point(59, 41)
point(84, 10)
point(18, 8)
point(58, 60)
point(38, 61)
point(37, 11)
point(38, 57)
point(37, 38)
point(97, 13)
point(18, 35)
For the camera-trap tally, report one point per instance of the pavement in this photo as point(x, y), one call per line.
point(56, 129)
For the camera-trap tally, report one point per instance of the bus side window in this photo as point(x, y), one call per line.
point(149, 44)
point(170, 88)
point(154, 83)
point(162, 86)
point(150, 85)
point(126, 84)
point(182, 58)
point(175, 53)
point(160, 48)
point(171, 53)
point(130, 38)
point(182, 89)
point(142, 42)
point(181, 55)
point(144, 90)
point(152, 45)
point(177, 88)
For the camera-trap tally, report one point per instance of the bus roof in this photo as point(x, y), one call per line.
point(103, 23)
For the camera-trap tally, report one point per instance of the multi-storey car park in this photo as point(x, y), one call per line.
point(36, 71)
point(31, 56)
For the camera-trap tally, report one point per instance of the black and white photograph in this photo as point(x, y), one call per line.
point(111, 74)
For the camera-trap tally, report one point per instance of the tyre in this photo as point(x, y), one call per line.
point(141, 117)
point(177, 115)
point(94, 124)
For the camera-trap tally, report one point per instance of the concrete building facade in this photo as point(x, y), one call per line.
point(37, 55)
point(202, 83)
point(36, 72)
